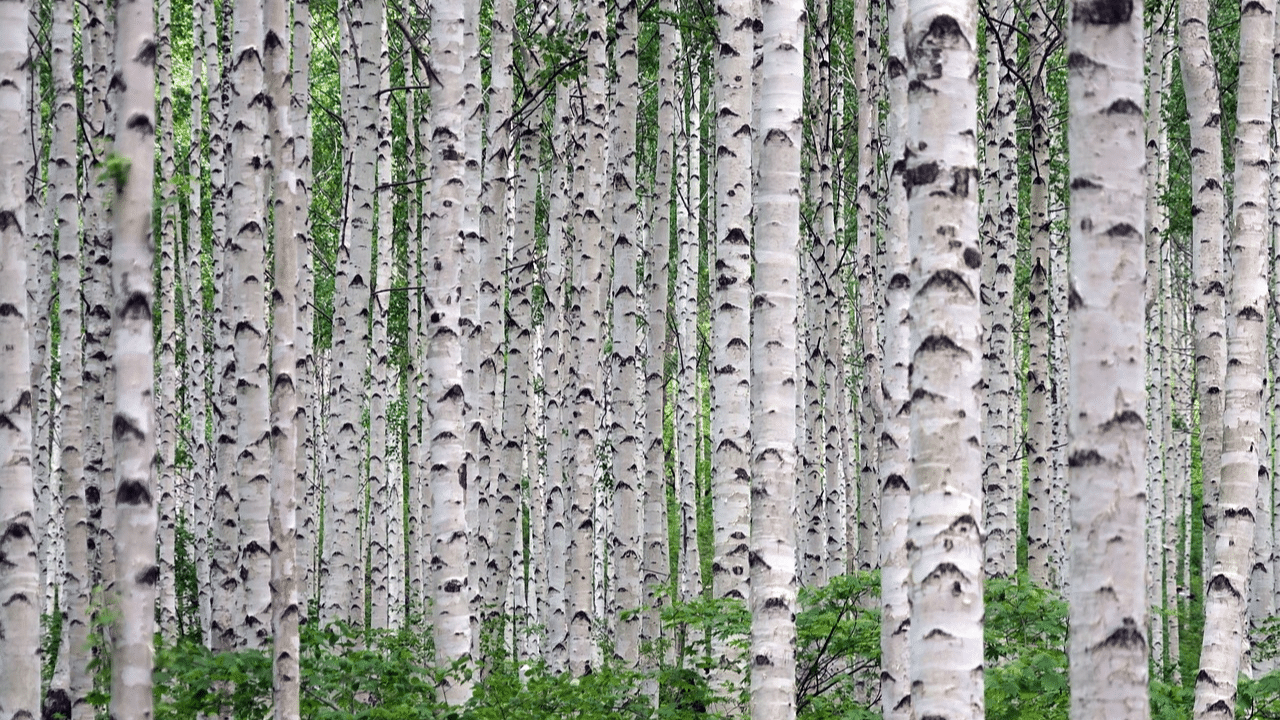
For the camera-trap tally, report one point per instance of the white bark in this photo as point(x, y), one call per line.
point(773, 421)
point(1227, 588)
point(19, 574)
point(168, 379)
point(290, 213)
point(628, 508)
point(133, 419)
point(76, 586)
point(1108, 650)
point(944, 536)
point(1200, 80)
point(452, 615)
point(731, 324)
point(246, 260)
point(895, 493)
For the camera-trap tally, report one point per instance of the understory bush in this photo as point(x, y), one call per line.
point(391, 675)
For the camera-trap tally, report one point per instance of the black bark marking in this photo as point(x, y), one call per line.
point(132, 492)
point(1102, 12)
point(1085, 458)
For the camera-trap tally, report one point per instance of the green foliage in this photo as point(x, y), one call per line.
point(1026, 658)
point(116, 169)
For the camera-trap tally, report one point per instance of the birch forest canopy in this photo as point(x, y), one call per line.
point(403, 359)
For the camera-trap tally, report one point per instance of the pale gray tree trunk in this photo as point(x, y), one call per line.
point(300, 115)
point(731, 328)
point(246, 246)
point(773, 370)
point(76, 584)
point(895, 470)
point(168, 380)
point(1200, 80)
point(289, 231)
point(871, 416)
point(452, 614)
point(1040, 525)
point(656, 556)
point(945, 528)
point(504, 496)
point(133, 415)
point(200, 506)
point(589, 289)
point(1108, 650)
point(19, 574)
point(627, 549)
point(686, 321)
point(1227, 588)
point(1156, 410)
point(380, 377)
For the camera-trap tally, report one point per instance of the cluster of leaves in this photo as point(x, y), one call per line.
point(390, 675)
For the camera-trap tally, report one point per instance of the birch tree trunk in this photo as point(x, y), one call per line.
point(731, 326)
point(895, 493)
point(589, 287)
point(342, 596)
point(246, 261)
point(380, 379)
point(1227, 593)
point(133, 420)
point(290, 213)
point(872, 414)
point(944, 535)
point(656, 557)
point(505, 495)
point(300, 110)
point(200, 509)
point(773, 370)
point(450, 533)
point(628, 455)
point(1040, 527)
point(1200, 80)
point(167, 382)
point(76, 585)
point(1108, 650)
point(19, 574)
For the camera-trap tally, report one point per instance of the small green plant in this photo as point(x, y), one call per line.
point(115, 167)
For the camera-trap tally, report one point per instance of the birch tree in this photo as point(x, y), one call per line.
point(1227, 593)
point(944, 535)
point(133, 421)
point(450, 534)
point(246, 263)
point(19, 574)
point(895, 493)
point(731, 320)
point(290, 214)
point(1108, 650)
point(773, 363)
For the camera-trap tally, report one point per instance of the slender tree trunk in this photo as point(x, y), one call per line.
point(76, 585)
point(1226, 595)
point(628, 454)
point(1200, 79)
point(872, 416)
point(167, 382)
point(944, 535)
point(290, 213)
point(494, 217)
point(300, 115)
point(773, 423)
point(656, 557)
point(133, 419)
point(895, 469)
point(1156, 410)
point(199, 509)
point(450, 534)
point(731, 327)
point(1040, 559)
point(19, 574)
point(1108, 651)
point(380, 379)
point(246, 259)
